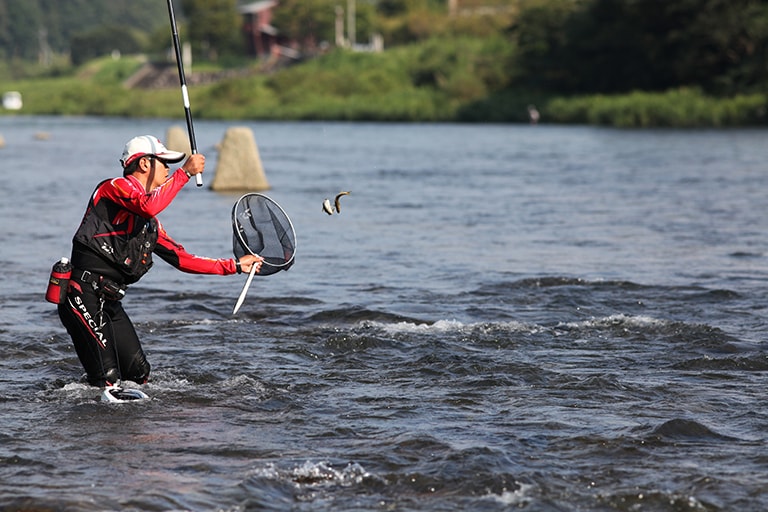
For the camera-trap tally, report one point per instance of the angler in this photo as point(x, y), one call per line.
point(113, 248)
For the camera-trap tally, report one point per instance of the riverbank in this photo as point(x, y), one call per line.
point(394, 86)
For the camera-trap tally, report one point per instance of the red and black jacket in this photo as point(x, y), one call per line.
point(119, 232)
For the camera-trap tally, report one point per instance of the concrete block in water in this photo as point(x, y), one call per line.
point(177, 139)
point(239, 166)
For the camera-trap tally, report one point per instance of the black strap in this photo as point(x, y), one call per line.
point(87, 276)
point(109, 288)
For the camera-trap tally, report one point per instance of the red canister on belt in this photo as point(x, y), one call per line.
point(59, 281)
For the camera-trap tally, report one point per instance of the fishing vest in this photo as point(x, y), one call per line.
point(123, 239)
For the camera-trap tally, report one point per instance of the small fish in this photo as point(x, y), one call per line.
point(327, 208)
point(336, 201)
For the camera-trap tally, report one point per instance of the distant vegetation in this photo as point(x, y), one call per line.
point(611, 62)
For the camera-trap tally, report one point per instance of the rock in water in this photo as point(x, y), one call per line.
point(177, 139)
point(239, 166)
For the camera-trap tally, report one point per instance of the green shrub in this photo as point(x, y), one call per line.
point(674, 108)
point(440, 80)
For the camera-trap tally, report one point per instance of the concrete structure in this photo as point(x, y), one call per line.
point(177, 139)
point(239, 166)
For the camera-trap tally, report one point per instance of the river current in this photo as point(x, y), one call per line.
point(501, 317)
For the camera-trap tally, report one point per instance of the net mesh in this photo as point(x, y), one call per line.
point(261, 227)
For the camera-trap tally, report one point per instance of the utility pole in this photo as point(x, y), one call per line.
point(44, 50)
point(351, 30)
point(453, 7)
point(340, 27)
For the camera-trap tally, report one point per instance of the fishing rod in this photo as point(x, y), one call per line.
point(184, 93)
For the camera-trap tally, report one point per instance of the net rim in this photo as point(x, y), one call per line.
point(235, 223)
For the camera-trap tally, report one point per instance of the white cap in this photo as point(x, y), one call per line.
point(148, 145)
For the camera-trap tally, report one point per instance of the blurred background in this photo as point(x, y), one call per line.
point(608, 62)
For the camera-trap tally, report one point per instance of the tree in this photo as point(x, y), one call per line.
point(26, 25)
point(614, 46)
point(24, 21)
point(103, 40)
point(310, 22)
point(541, 34)
point(718, 44)
point(313, 22)
point(215, 27)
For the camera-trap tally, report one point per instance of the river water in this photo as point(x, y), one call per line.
point(501, 317)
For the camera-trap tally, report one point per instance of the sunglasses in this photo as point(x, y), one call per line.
point(158, 159)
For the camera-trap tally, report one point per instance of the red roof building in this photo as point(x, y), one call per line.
point(260, 35)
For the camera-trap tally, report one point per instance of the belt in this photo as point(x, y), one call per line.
point(110, 288)
point(87, 276)
point(92, 277)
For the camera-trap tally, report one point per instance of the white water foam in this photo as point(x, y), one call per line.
point(315, 473)
point(616, 320)
point(518, 497)
point(453, 326)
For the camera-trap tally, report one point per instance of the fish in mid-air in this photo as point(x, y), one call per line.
point(336, 200)
point(328, 208)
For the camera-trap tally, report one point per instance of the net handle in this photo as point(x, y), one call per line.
point(241, 298)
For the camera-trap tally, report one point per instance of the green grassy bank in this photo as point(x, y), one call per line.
point(463, 81)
